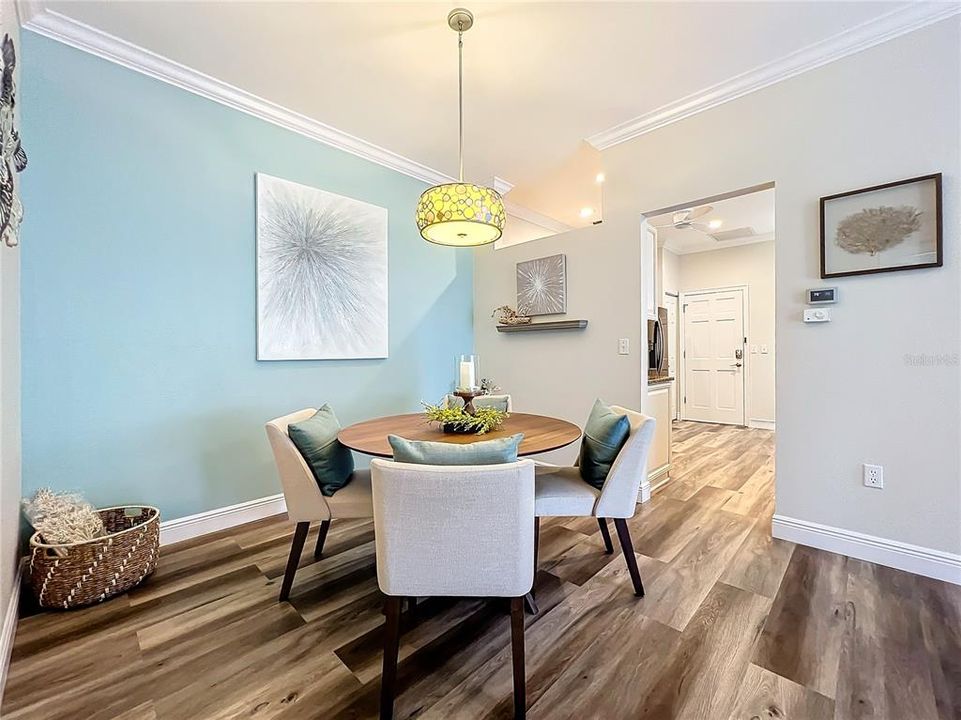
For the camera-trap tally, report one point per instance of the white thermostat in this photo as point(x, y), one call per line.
point(822, 296)
point(816, 315)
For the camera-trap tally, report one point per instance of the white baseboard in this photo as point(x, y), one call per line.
point(660, 481)
point(9, 630)
point(644, 493)
point(892, 553)
point(192, 526)
point(761, 424)
point(652, 482)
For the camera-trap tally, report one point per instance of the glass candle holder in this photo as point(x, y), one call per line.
point(467, 373)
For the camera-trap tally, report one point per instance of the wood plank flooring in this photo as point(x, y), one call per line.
point(735, 625)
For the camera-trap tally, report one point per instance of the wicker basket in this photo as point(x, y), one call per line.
point(82, 573)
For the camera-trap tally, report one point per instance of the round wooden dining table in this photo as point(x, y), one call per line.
point(541, 433)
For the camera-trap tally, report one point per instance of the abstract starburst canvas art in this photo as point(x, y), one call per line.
point(542, 286)
point(321, 274)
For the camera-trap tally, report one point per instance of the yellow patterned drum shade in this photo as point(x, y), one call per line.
point(460, 214)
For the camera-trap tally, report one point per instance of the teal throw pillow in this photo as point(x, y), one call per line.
point(604, 436)
point(485, 452)
point(316, 438)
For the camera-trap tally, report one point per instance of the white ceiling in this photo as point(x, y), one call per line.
point(755, 210)
point(539, 77)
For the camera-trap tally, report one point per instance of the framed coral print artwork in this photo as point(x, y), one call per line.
point(895, 226)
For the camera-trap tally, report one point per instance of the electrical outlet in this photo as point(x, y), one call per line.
point(873, 476)
point(624, 346)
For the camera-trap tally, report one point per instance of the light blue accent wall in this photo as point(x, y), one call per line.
point(140, 378)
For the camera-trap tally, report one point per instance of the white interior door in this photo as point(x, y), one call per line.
point(713, 327)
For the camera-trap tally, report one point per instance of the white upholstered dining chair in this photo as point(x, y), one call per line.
point(305, 502)
point(462, 531)
point(561, 492)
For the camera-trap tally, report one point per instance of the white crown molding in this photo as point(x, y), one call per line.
point(861, 37)
point(204, 523)
point(501, 185)
point(536, 218)
point(74, 33)
point(891, 553)
point(57, 26)
point(34, 16)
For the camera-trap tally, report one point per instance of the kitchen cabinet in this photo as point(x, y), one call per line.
point(659, 456)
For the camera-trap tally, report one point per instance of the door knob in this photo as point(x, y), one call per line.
point(735, 364)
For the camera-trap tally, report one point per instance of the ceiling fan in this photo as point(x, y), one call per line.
point(684, 219)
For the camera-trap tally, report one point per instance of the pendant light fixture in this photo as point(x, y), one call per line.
point(460, 214)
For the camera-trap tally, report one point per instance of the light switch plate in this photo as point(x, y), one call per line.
point(817, 315)
point(624, 346)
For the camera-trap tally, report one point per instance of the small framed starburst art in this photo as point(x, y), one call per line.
point(895, 226)
point(321, 274)
point(542, 286)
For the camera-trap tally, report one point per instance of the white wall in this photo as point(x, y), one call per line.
point(556, 373)
point(845, 393)
point(751, 265)
point(9, 392)
point(670, 273)
point(518, 231)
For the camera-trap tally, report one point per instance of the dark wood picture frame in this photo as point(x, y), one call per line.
point(939, 231)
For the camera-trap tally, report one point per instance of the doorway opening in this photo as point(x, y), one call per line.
point(709, 297)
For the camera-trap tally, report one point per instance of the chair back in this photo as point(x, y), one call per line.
point(619, 494)
point(463, 531)
point(305, 502)
point(501, 402)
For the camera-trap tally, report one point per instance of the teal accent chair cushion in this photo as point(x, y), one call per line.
point(316, 438)
point(485, 452)
point(604, 436)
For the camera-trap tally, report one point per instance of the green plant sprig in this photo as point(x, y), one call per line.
point(485, 419)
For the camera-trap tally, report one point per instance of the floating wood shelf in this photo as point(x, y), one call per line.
point(541, 326)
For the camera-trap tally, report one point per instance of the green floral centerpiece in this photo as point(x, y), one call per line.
point(458, 420)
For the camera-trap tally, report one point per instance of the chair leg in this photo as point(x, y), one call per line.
point(624, 535)
point(296, 548)
point(321, 539)
point(388, 678)
point(517, 655)
point(606, 534)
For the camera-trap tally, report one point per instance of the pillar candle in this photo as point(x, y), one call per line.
point(466, 375)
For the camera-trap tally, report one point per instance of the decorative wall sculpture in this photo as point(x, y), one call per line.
point(13, 158)
point(896, 226)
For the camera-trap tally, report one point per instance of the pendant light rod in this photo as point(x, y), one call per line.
point(461, 20)
point(460, 103)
